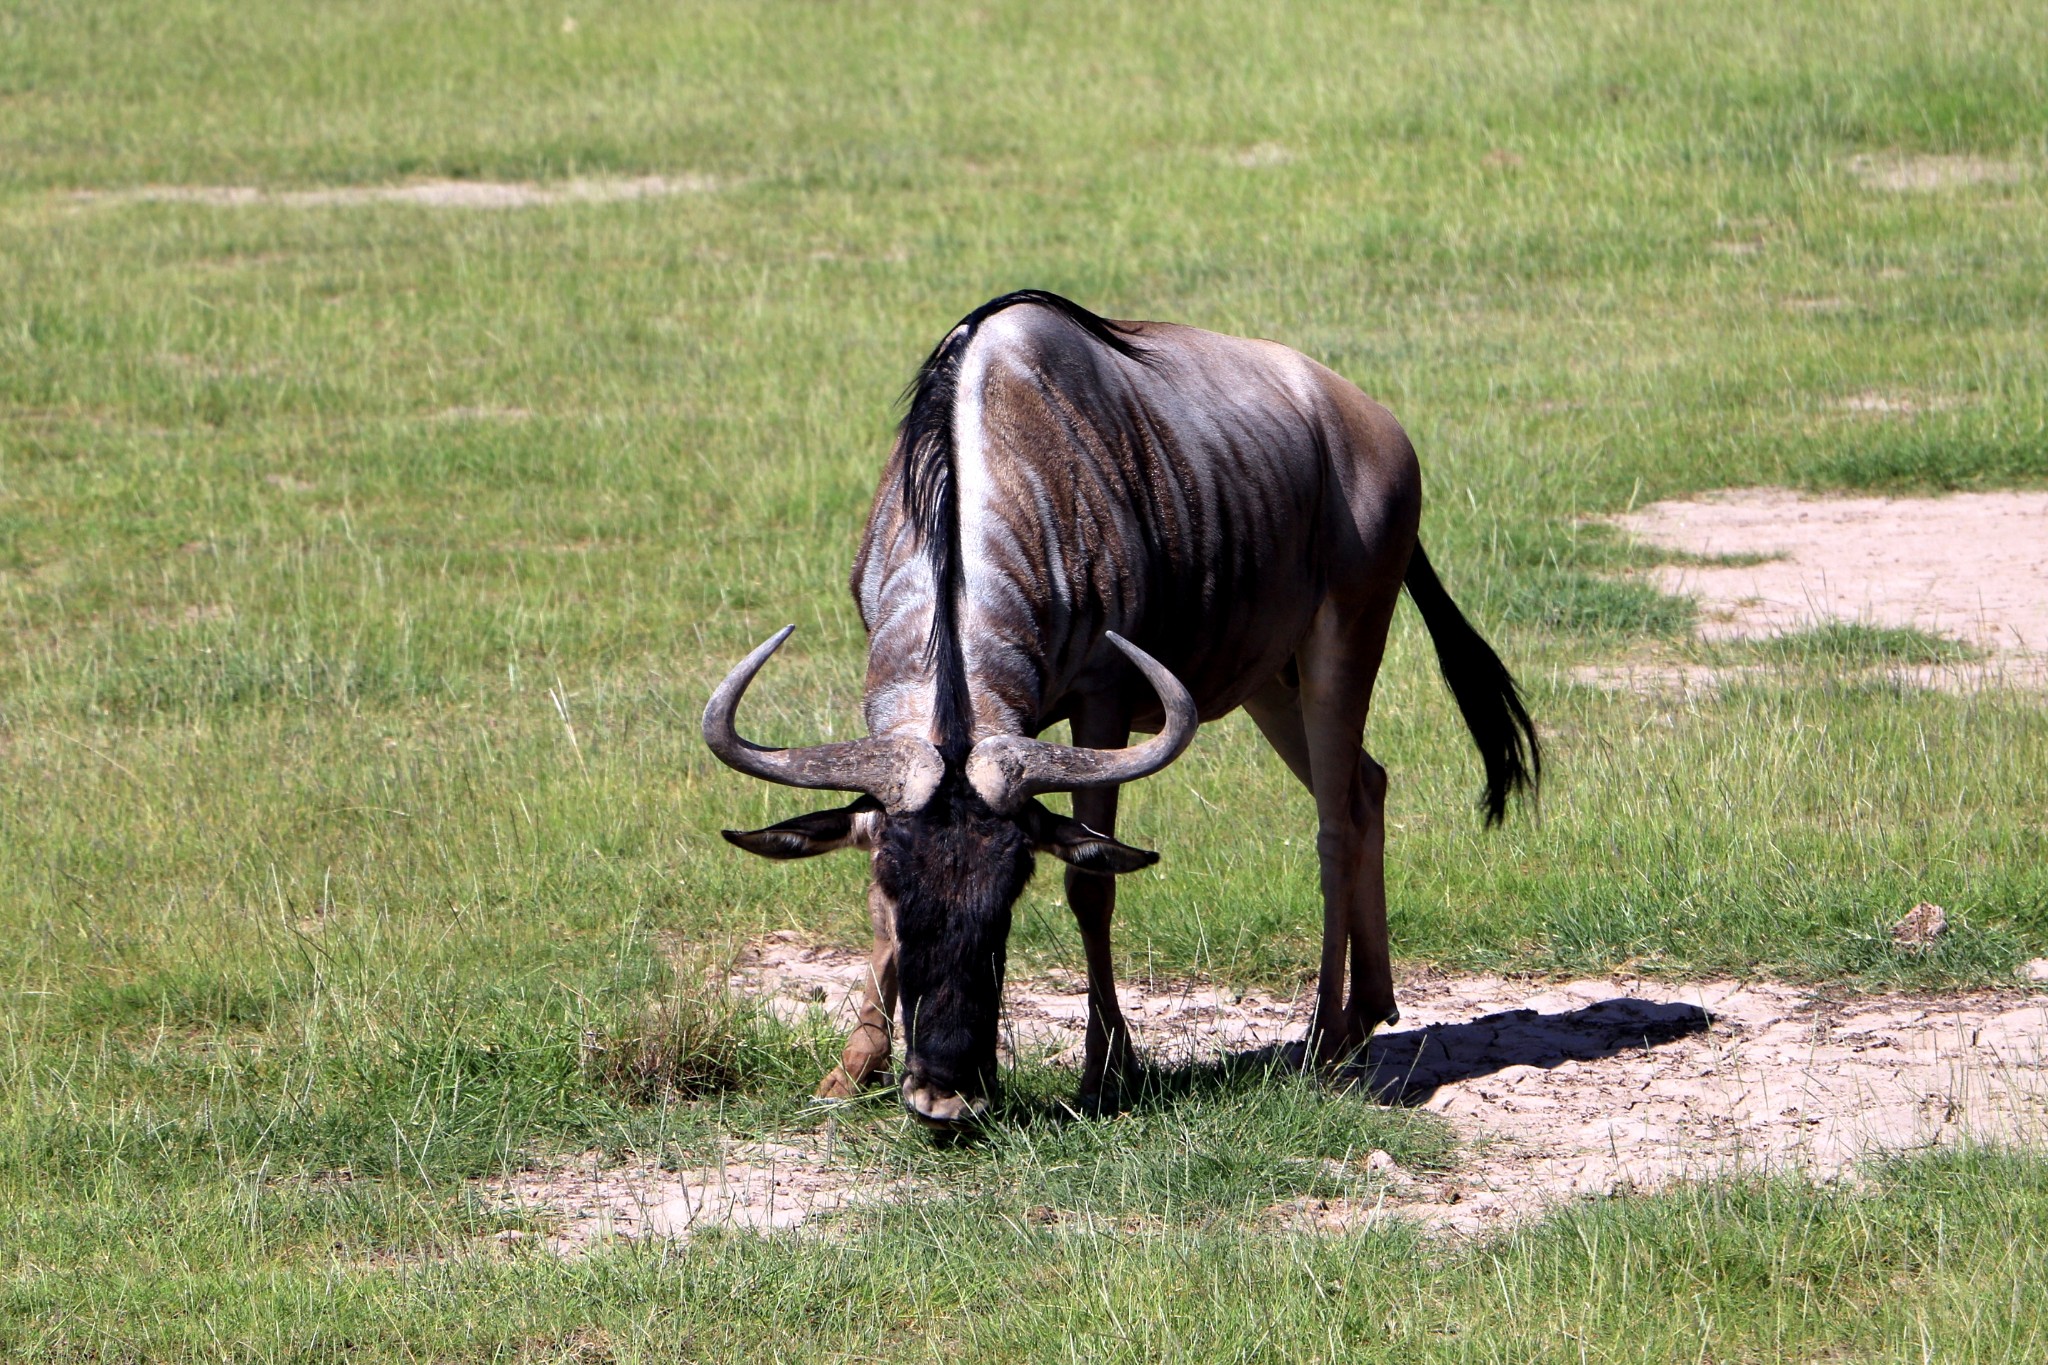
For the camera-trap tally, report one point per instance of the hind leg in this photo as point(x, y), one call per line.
point(1317, 729)
point(1277, 712)
point(1372, 965)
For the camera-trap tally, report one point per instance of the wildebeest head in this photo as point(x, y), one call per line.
point(952, 848)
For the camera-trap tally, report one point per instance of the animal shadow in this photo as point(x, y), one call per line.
point(1406, 1068)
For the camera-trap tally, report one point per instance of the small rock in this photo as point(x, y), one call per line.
point(2037, 970)
point(509, 1236)
point(1921, 926)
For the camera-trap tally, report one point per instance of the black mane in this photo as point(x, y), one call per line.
point(926, 435)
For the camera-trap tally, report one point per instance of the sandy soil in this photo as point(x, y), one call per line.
point(1558, 1091)
point(457, 194)
point(1973, 566)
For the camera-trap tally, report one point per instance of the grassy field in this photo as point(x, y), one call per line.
point(363, 569)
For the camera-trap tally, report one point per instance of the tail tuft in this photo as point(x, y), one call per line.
point(1485, 692)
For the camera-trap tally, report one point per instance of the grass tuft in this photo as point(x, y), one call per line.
point(694, 1044)
point(1588, 604)
point(1851, 644)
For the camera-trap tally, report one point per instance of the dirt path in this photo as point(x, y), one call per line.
point(1589, 1087)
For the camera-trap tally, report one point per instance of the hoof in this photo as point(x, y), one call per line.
point(854, 1075)
point(1336, 1049)
point(1112, 1097)
point(1095, 1104)
point(1109, 1089)
point(837, 1085)
point(841, 1084)
point(1335, 1055)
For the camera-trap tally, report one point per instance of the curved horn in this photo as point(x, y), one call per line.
point(1006, 770)
point(900, 773)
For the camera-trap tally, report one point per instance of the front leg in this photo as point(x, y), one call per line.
point(1109, 1064)
point(867, 1048)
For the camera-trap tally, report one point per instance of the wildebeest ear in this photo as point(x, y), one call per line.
point(856, 826)
point(1073, 842)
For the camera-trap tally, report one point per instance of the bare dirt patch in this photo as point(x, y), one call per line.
point(481, 414)
point(1583, 1088)
point(1557, 1090)
point(1902, 173)
point(758, 1186)
point(1896, 404)
point(449, 194)
point(1972, 566)
point(1175, 1022)
point(1600, 1087)
point(1263, 155)
point(1808, 303)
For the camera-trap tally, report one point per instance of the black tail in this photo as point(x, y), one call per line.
point(927, 439)
point(1486, 692)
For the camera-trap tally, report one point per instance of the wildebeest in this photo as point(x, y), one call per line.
point(1127, 526)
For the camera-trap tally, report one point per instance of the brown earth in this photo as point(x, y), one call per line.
point(1556, 1090)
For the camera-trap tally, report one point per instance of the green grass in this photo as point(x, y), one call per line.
point(362, 571)
point(1849, 644)
point(1938, 1257)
